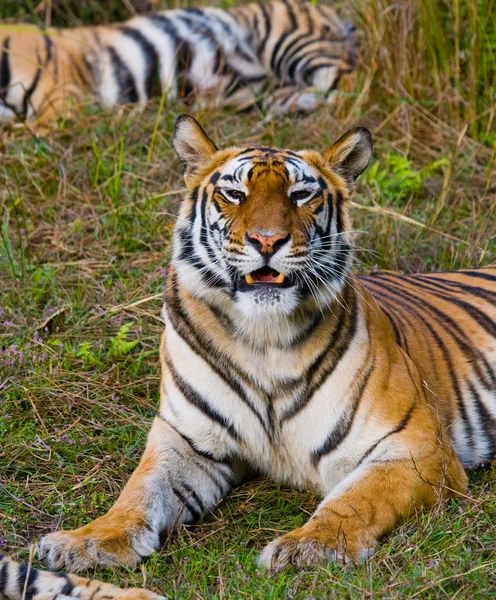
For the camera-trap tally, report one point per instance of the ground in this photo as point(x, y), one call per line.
point(87, 216)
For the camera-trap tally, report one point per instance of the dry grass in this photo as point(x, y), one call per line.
point(86, 228)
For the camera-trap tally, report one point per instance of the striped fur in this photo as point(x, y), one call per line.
point(20, 582)
point(288, 52)
point(371, 391)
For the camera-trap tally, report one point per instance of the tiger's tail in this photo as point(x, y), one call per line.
point(18, 582)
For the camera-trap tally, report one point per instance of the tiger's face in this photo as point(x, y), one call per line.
point(265, 228)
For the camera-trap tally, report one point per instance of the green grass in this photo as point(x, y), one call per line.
point(87, 217)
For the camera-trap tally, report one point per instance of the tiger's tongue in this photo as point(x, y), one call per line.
point(265, 277)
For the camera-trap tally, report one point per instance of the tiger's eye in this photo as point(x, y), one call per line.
point(300, 195)
point(233, 195)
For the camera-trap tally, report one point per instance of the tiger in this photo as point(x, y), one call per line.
point(375, 391)
point(286, 56)
point(21, 582)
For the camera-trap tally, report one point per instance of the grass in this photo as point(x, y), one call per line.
point(87, 217)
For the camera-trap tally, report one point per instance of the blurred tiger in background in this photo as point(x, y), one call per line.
point(371, 391)
point(287, 55)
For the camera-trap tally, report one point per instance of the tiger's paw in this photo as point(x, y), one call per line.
point(314, 544)
point(81, 550)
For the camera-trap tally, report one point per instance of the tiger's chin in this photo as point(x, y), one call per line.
point(266, 301)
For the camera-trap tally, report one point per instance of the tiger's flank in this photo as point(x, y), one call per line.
point(275, 357)
point(286, 56)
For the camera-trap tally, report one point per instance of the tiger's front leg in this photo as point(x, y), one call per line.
point(173, 484)
point(367, 505)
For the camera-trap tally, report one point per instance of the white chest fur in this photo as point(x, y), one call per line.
point(227, 410)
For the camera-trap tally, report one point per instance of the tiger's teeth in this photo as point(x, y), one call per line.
point(249, 278)
point(280, 278)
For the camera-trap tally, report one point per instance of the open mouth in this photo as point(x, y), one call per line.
point(264, 277)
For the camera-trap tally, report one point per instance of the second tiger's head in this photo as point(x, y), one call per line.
point(263, 228)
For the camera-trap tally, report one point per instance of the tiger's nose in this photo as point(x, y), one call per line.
point(267, 244)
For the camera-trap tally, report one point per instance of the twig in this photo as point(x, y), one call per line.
point(124, 306)
point(396, 215)
point(32, 550)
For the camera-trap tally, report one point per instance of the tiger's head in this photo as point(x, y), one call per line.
point(265, 229)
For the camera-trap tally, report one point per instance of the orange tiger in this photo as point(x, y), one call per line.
point(288, 54)
point(275, 357)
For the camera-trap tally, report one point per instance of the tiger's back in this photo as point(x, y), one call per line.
point(293, 52)
point(446, 323)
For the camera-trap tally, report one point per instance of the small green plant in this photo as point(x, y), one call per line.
point(396, 179)
point(86, 355)
point(120, 345)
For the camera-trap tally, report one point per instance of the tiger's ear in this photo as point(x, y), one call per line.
point(192, 145)
point(350, 155)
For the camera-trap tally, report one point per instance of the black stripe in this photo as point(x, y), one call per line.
point(341, 338)
point(48, 47)
point(68, 586)
point(276, 49)
point(291, 14)
point(413, 377)
point(204, 469)
point(267, 17)
point(21, 581)
point(4, 577)
point(194, 398)
point(194, 447)
point(184, 56)
point(306, 332)
point(453, 286)
point(204, 225)
point(227, 480)
point(399, 339)
point(401, 425)
point(486, 421)
point(30, 91)
point(188, 253)
point(302, 63)
point(183, 53)
point(342, 429)
point(95, 591)
point(304, 52)
point(4, 68)
point(479, 275)
point(185, 502)
point(149, 55)
point(191, 492)
point(124, 77)
point(298, 44)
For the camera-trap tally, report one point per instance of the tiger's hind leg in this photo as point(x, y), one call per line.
point(173, 484)
point(19, 581)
